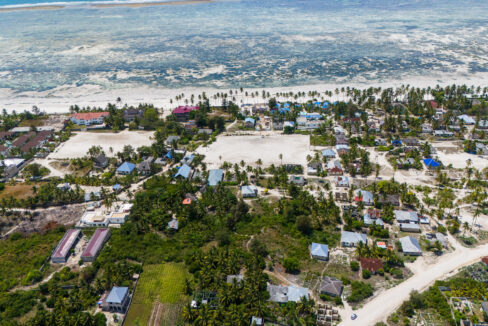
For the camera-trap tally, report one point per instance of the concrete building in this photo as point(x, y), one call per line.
point(319, 251)
point(117, 300)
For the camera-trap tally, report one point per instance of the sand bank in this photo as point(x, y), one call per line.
point(57, 7)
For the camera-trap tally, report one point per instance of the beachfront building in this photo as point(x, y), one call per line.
point(249, 123)
point(117, 300)
point(182, 113)
point(215, 176)
point(95, 245)
point(126, 168)
point(88, 118)
point(63, 249)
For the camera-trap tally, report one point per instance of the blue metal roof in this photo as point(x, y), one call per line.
point(431, 162)
point(117, 294)
point(215, 176)
point(320, 250)
point(126, 167)
point(251, 120)
point(183, 171)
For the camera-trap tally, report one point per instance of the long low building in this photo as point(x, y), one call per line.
point(95, 245)
point(62, 251)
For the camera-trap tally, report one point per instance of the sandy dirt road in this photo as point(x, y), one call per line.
point(425, 274)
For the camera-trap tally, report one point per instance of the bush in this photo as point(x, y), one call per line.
point(291, 265)
point(366, 274)
point(359, 291)
point(354, 265)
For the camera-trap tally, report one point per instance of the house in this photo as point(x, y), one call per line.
point(172, 139)
point(431, 164)
point(126, 168)
point(341, 140)
point(257, 321)
point(338, 130)
point(63, 249)
point(352, 239)
point(331, 286)
point(215, 176)
point(144, 167)
point(363, 196)
point(319, 251)
point(342, 181)
point(379, 222)
point(410, 246)
point(410, 227)
point(314, 168)
point(427, 129)
point(311, 116)
point(288, 124)
point(342, 149)
point(64, 186)
point(182, 113)
point(411, 142)
point(298, 180)
point(483, 124)
point(466, 119)
point(396, 142)
point(173, 224)
point(249, 123)
point(117, 300)
point(334, 168)
point(88, 118)
point(284, 294)
point(184, 172)
point(3, 150)
point(100, 162)
point(443, 133)
point(406, 216)
point(249, 191)
point(188, 159)
point(371, 264)
point(131, 114)
point(434, 237)
point(95, 245)
point(304, 124)
point(380, 142)
point(329, 153)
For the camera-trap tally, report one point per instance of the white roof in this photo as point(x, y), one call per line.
point(410, 245)
point(13, 161)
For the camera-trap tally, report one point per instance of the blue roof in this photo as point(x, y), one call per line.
point(168, 155)
point(325, 105)
point(251, 120)
point(126, 167)
point(215, 176)
point(431, 162)
point(398, 142)
point(117, 294)
point(183, 171)
point(320, 250)
point(116, 186)
point(328, 152)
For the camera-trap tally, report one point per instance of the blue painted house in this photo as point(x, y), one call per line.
point(126, 168)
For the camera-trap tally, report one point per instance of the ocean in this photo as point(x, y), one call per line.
point(241, 43)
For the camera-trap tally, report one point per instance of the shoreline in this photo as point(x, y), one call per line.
point(59, 100)
point(102, 5)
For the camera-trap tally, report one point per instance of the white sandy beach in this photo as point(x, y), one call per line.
point(58, 100)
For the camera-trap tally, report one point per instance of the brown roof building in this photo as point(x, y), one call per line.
point(371, 264)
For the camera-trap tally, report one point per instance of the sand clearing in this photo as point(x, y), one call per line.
point(249, 149)
point(78, 145)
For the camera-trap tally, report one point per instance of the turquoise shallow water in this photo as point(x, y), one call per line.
point(245, 43)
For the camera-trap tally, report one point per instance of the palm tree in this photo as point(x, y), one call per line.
point(281, 158)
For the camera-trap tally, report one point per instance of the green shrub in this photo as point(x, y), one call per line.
point(354, 265)
point(366, 274)
point(291, 265)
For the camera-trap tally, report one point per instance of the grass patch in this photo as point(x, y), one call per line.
point(18, 191)
point(164, 283)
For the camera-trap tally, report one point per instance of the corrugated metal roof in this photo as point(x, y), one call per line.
point(66, 243)
point(96, 242)
point(117, 295)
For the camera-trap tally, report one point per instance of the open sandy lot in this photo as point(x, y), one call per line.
point(78, 145)
point(294, 148)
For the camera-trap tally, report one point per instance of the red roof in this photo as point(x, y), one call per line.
point(371, 264)
point(433, 104)
point(89, 115)
point(66, 243)
point(96, 243)
point(485, 260)
point(185, 109)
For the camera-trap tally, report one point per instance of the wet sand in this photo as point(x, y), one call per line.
point(32, 8)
